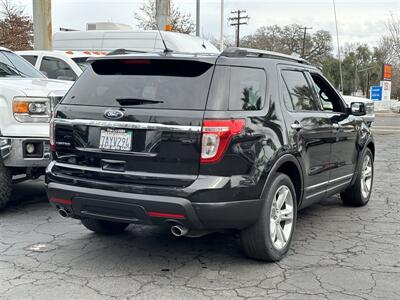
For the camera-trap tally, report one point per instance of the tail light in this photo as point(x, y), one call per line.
point(216, 136)
point(52, 133)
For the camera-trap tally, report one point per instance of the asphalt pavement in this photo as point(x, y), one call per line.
point(338, 252)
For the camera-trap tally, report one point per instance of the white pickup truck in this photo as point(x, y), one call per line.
point(64, 65)
point(27, 98)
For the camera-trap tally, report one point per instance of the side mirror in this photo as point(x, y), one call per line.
point(357, 109)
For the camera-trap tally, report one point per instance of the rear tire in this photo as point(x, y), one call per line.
point(360, 192)
point(269, 239)
point(104, 227)
point(5, 186)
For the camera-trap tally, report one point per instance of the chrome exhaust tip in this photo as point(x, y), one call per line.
point(178, 230)
point(63, 213)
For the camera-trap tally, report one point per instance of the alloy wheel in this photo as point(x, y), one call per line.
point(281, 217)
point(366, 176)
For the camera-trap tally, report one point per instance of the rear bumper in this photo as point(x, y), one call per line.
point(83, 202)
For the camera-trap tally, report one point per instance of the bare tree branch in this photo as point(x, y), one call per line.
point(146, 18)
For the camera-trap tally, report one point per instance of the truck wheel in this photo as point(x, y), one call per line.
point(104, 227)
point(269, 239)
point(360, 192)
point(5, 185)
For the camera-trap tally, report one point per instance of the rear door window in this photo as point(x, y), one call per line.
point(298, 94)
point(55, 68)
point(154, 83)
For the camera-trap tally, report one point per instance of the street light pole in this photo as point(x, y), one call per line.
point(221, 40)
point(197, 17)
point(338, 47)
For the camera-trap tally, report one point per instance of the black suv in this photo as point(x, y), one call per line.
point(204, 143)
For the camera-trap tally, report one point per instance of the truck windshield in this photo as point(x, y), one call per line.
point(12, 65)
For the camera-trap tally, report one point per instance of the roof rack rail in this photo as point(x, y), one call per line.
point(247, 52)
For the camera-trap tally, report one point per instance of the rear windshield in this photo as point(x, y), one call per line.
point(170, 84)
point(81, 62)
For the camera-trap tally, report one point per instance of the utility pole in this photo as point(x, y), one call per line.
point(42, 31)
point(237, 21)
point(303, 52)
point(221, 39)
point(197, 17)
point(163, 14)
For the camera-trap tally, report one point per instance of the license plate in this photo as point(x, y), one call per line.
point(115, 140)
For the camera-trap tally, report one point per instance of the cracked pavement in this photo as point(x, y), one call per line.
point(338, 252)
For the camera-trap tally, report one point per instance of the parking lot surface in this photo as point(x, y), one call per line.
point(338, 252)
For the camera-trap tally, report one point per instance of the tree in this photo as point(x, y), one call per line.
point(16, 29)
point(180, 21)
point(393, 38)
point(289, 40)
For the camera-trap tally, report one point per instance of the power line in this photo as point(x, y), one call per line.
point(237, 20)
point(304, 41)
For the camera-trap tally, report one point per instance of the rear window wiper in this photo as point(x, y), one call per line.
point(137, 101)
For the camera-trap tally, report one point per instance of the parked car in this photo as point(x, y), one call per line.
point(395, 107)
point(369, 107)
point(138, 40)
point(203, 143)
point(26, 101)
point(64, 65)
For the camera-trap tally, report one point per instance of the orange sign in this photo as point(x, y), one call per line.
point(387, 72)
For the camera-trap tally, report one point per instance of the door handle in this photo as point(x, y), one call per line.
point(296, 126)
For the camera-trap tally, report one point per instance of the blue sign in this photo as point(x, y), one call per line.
point(376, 93)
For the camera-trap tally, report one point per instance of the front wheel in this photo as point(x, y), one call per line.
point(5, 185)
point(269, 239)
point(360, 192)
point(104, 227)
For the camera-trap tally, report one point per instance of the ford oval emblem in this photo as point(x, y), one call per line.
point(113, 114)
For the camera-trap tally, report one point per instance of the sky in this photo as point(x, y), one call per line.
point(359, 21)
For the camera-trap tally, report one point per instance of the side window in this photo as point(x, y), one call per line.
point(330, 100)
point(30, 58)
point(247, 89)
point(56, 69)
point(298, 95)
point(237, 88)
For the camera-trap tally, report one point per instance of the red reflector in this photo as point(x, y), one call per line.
point(136, 62)
point(164, 215)
point(61, 201)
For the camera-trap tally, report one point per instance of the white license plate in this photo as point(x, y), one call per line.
point(115, 140)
